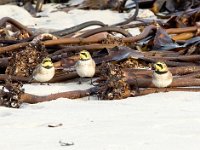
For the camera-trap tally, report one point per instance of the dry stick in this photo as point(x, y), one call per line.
point(155, 90)
point(183, 36)
point(3, 77)
point(72, 41)
point(169, 31)
point(177, 82)
point(175, 71)
point(51, 43)
point(13, 47)
point(58, 78)
point(185, 58)
point(169, 63)
point(192, 75)
point(181, 30)
point(78, 48)
point(184, 70)
point(161, 54)
point(9, 41)
point(18, 25)
point(29, 98)
point(106, 29)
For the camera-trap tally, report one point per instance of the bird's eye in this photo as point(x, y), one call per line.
point(84, 54)
point(160, 65)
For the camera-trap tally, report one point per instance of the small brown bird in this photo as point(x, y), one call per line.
point(85, 66)
point(162, 77)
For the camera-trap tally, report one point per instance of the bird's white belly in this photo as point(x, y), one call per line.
point(45, 75)
point(85, 68)
point(162, 80)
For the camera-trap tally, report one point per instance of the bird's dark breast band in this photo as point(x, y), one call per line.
point(48, 67)
point(84, 59)
point(158, 72)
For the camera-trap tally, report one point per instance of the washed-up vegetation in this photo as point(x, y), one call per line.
point(124, 62)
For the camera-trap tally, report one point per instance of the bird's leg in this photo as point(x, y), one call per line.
point(137, 89)
point(166, 89)
point(30, 80)
point(136, 85)
point(156, 91)
point(91, 82)
point(79, 80)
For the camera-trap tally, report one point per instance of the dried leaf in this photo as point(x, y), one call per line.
point(163, 41)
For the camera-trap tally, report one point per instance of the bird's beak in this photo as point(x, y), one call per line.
point(154, 67)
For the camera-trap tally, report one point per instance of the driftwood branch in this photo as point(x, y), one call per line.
point(175, 71)
point(177, 82)
point(156, 90)
point(29, 98)
point(106, 29)
point(89, 47)
point(12, 47)
point(4, 77)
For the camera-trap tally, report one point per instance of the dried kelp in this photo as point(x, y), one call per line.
point(11, 93)
point(123, 61)
point(112, 84)
point(174, 5)
point(24, 62)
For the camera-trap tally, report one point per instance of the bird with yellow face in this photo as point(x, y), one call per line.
point(85, 66)
point(162, 77)
point(44, 71)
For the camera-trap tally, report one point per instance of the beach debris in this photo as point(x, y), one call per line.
point(24, 62)
point(10, 94)
point(112, 84)
point(55, 125)
point(123, 61)
point(66, 143)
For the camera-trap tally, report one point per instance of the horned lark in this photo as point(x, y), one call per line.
point(85, 66)
point(162, 77)
point(44, 71)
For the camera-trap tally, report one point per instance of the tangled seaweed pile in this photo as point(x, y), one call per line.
point(123, 63)
point(112, 84)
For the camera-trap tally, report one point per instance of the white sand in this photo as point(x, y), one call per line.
point(167, 121)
